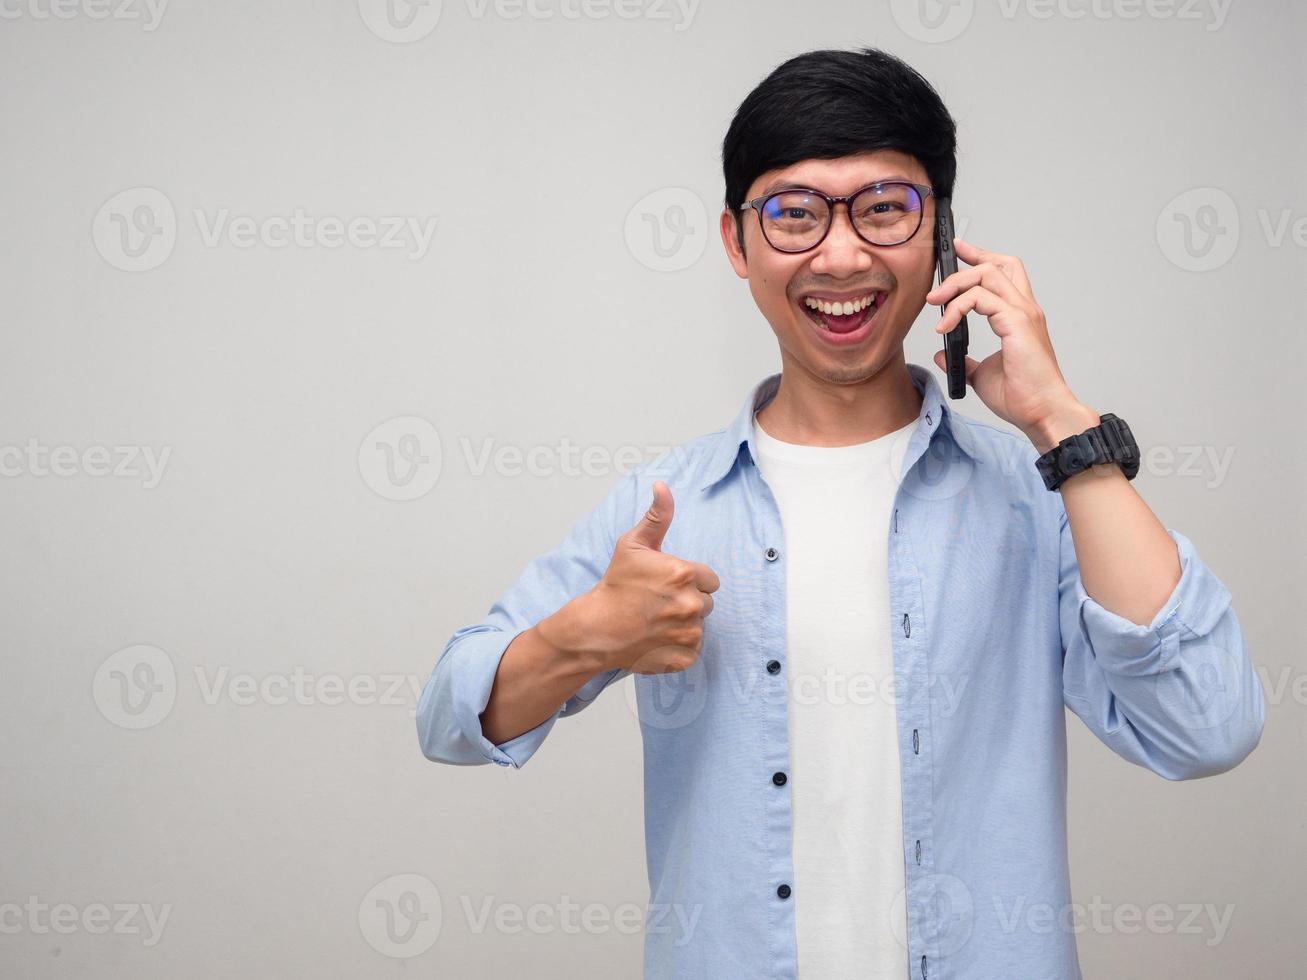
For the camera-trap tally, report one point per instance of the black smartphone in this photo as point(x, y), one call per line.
point(956, 340)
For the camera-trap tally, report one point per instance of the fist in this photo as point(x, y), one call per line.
point(649, 608)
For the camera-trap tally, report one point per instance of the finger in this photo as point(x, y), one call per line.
point(986, 274)
point(665, 660)
point(705, 578)
point(1011, 266)
point(652, 527)
point(707, 605)
point(982, 301)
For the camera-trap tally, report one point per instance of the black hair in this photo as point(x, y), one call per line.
point(829, 104)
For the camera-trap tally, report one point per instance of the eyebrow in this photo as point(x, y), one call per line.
point(781, 185)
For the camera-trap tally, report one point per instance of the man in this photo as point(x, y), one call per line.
point(854, 615)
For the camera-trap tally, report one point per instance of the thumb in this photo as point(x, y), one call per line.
point(652, 527)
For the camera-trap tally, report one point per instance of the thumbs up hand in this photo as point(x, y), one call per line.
point(646, 614)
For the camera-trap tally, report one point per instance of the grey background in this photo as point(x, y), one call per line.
point(266, 549)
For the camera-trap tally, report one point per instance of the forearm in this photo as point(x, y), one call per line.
point(539, 671)
point(1128, 563)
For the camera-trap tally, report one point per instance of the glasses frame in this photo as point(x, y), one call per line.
point(758, 203)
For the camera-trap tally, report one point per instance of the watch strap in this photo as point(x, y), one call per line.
point(1111, 441)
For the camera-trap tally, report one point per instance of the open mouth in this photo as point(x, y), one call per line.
point(843, 321)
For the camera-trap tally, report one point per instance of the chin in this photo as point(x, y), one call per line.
point(845, 374)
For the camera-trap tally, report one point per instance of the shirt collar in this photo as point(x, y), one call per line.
point(934, 408)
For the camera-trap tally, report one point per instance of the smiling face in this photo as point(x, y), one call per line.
point(843, 269)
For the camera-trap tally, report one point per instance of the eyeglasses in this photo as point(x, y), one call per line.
point(798, 219)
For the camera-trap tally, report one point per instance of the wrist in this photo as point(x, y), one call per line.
point(570, 635)
point(1067, 420)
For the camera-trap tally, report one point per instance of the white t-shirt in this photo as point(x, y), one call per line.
point(847, 805)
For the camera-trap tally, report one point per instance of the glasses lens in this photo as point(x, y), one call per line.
point(794, 220)
point(887, 214)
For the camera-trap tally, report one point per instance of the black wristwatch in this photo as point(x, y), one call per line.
point(1111, 441)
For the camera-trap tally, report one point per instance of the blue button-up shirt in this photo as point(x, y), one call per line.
point(992, 635)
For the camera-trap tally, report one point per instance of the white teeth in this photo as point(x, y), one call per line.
point(840, 309)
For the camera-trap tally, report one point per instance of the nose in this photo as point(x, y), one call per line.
point(842, 253)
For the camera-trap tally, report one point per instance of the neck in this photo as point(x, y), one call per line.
point(809, 410)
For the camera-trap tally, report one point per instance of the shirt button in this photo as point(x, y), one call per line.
point(783, 891)
point(773, 666)
point(778, 778)
point(772, 554)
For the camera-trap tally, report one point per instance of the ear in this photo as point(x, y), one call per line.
point(733, 251)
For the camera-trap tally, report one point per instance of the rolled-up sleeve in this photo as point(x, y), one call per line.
point(449, 709)
point(1179, 696)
